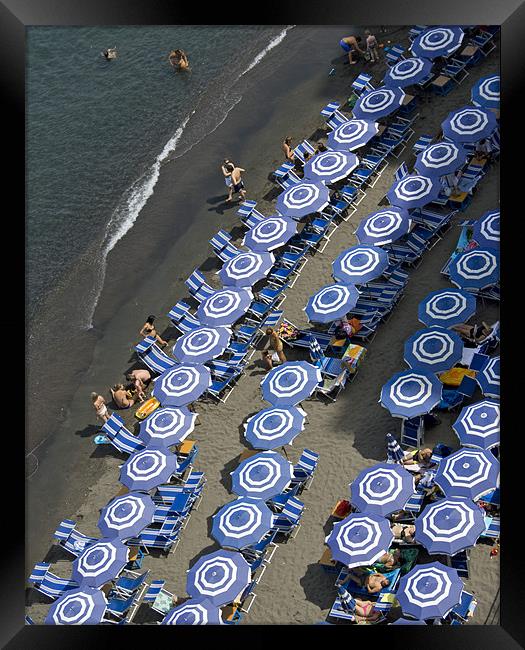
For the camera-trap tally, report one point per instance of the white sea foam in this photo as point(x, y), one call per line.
point(273, 43)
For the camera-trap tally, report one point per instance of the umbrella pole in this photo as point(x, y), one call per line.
point(284, 452)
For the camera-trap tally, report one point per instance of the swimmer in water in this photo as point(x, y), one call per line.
point(179, 60)
point(110, 53)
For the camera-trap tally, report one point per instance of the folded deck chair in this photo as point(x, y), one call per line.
point(178, 311)
point(155, 359)
point(48, 583)
point(198, 287)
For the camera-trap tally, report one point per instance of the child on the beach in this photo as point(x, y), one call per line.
point(372, 46)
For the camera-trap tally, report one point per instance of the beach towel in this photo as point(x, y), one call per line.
point(454, 376)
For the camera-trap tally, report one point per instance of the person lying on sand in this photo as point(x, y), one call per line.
point(148, 329)
point(122, 397)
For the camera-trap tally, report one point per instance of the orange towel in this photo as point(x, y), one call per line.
point(454, 376)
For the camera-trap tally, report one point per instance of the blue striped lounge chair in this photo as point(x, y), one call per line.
point(254, 219)
point(119, 607)
point(71, 539)
point(422, 143)
point(463, 610)
point(198, 287)
point(271, 295)
point(64, 530)
point(393, 54)
point(301, 149)
point(149, 352)
point(288, 521)
point(48, 583)
point(165, 538)
point(278, 501)
point(416, 31)
point(485, 41)
point(283, 170)
point(131, 584)
point(455, 69)
point(330, 109)
point(178, 311)
point(187, 324)
point(264, 549)
point(303, 471)
point(412, 432)
point(120, 437)
point(247, 597)
point(336, 119)
point(288, 180)
point(361, 83)
point(155, 589)
point(222, 387)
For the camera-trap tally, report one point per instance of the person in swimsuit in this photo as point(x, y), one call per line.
point(350, 44)
point(225, 170)
point(122, 397)
point(372, 582)
point(140, 379)
point(148, 329)
point(179, 60)
point(473, 333)
point(237, 184)
point(275, 344)
point(99, 404)
point(403, 532)
point(287, 150)
point(372, 46)
point(110, 53)
point(362, 609)
point(388, 561)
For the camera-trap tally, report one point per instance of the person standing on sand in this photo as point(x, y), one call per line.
point(99, 404)
point(227, 174)
point(287, 150)
point(350, 44)
point(372, 46)
point(237, 184)
point(275, 344)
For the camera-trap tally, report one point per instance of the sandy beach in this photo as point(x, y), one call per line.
point(75, 478)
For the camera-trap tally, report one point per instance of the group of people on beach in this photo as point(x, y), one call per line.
point(351, 45)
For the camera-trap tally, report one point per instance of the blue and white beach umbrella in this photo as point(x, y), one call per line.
point(352, 135)
point(478, 425)
point(330, 166)
point(274, 427)
point(168, 426)
point(488, 378)
point(485, 92)
point(486, 230)
point(468, 473)
point(302, 199)
point(414, 191)
point(384, 226)
point(360, 539)
point(100, 562)
point(475, 269)
point(262, 476)
point(437, 41)
point(411, 393)
point(181, 385)
point(147, 469)
point(196, 611)
point(126, 516)
point(201, 344)
point(270, 233)
point(440, 159)
point(224, 307)
point(85, 606)
point(242, 523)
point(331, 303)
point(290, 383)
point(360, 264)
point(449, 525)
point(375, 104)
point(429, 590)
point(245, 269)
point(407, 72)
point(382, 489)
point(446, 307)
point(469, 124)
point(434, 348)
point(219, 577)
point(393, 449)
point(407, 621)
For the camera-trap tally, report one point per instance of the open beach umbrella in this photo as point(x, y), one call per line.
point(219, 577)
point(384, 226)
point(475, 269)
point(485, 92)
point(181, 385)
point(360, 264)
point(468, 473)
point(446, 307)
point(330, 166)
point(302, 199)
point(268, 234)
point(262, 476)
point(352, 135)
point(414, 191)
point(242, 523)
point(201, 344)
point(469, 124)
point(429, 590)
point(407, 72)
point(478, 425)
point(167, 426)
point(437, 41)
point(407, 621)
point(486, 230)
point(126, 516)
point(488, 378)
point(147, 469)
point(449, 525)
point(85, 606)
point(224, 307)
point(360, 539)
point(290, 383)
point(274, 427)
point(382, 489)
point(393, 449)
point(440, 159)
point(245, 269)
point(331, 303)
point(375, 104)
point(196, 611)
point(434, 348)
point(100, 562)
point(411, 393)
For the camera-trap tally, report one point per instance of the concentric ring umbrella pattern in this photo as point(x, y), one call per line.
point(475, 269)
point(478, 425)
point(224, 307)
point(414, 191)
point(429, 590)
point(437, 41)
point(126, 516)
point(382, 489)
point(469, 124)
point(440, 159)
point(269, 234)
point(352, 135)
point(100, 562)
point(148, 469)
point(196, 611)
point(201, 344)
point(485, 92)
point(449, 525)
point(411, 393)
point(468, 473)
point(168, 426)
point(360, 264)
point(245, 269)
point(434, 348)
point(488, 378)
point(384, 226)
point(274, 427)
point(303, 199)
point(446, 307)
point(290, 383)
point(375, 104)
point(331, 303)
point(182, 384)
point(330, 166)
point(85, 606)
point(262, 476)
point(360, 539)
point(486, 230)
point(219, 577)
point(407, 72)
point(242, 523)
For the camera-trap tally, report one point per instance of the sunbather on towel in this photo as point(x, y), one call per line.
point(475, 334)
point(403, 532)
point(122, 397)
point(388, 561)
point(372, 582)
point(364, 610)
point(421, 458)
point(148, 329)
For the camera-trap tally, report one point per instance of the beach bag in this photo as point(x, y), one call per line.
point(147, 408)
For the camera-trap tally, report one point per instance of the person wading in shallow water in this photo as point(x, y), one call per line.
point(179, 60)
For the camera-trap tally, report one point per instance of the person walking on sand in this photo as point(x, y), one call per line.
point(372, 46)
point(237, 184)
point(350, 44)
point(99, 404)
point(287, 150)
point(148, 329)
point(226, 173)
